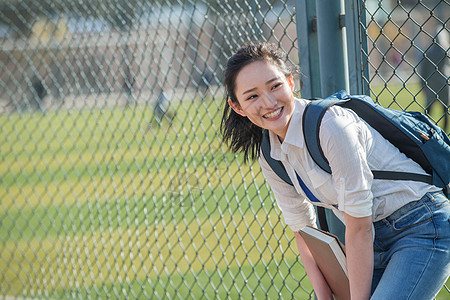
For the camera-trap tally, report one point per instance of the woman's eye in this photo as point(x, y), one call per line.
point(276, 85)
point(251, 97)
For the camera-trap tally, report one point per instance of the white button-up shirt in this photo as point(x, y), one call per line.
point(352, 149)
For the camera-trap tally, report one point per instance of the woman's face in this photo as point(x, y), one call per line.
point(265, 96)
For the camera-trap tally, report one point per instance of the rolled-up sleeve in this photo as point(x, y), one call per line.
point(346, 141)
point(297, 211)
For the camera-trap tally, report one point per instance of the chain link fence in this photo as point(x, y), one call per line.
point(114, 182)
point(407, 55)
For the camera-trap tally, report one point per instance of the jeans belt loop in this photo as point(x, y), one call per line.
point(430, 196)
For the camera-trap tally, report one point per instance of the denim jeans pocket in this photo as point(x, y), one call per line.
point(413, 216)
point(438, 201)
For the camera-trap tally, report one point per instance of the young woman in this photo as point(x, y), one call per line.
point(397, 232)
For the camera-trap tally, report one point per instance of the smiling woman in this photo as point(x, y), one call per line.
point(258, 87)
point(412, 260)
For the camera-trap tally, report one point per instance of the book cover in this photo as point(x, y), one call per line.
point(329, 255)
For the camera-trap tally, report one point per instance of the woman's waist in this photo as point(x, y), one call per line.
point(430, 198)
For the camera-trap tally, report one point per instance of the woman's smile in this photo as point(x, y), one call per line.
point(274, 115)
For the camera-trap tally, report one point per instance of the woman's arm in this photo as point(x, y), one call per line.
point(359, 252)
point(347, 142)
point(318, 282)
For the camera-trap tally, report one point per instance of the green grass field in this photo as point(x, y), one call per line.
point(98, 204)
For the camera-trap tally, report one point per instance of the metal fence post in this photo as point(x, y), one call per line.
point(329, 45)
point(331, 48)
point(357, 68)
point(306, 22)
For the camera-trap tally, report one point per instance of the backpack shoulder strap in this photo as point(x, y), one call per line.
point(312, 118)
point(276, 165)
point(279, 169)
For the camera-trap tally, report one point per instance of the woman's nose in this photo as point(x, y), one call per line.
point(269, 100)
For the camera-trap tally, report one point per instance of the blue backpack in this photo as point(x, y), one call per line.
point(411, 132)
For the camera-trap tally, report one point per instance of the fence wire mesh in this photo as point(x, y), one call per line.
point(407, 56)
point(114, 182)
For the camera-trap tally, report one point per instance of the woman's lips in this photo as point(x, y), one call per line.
point(274, 114)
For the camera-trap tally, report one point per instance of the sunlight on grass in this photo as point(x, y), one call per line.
point(149, 251)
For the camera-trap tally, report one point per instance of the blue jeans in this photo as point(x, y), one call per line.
point(412, 250)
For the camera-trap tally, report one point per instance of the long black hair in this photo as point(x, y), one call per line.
point(238, 132)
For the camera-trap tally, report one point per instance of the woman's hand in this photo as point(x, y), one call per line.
point(359, 252)
point(318, 282)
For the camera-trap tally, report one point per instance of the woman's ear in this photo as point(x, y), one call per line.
point(236, 107)
point(291, 82)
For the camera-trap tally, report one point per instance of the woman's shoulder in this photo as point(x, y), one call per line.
point(338, 122)
point(336, 113)
point(300, 105)
point(301, 101)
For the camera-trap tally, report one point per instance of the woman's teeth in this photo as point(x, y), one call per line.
point(273, 114)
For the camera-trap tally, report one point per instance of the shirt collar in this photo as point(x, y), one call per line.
point(294, 134)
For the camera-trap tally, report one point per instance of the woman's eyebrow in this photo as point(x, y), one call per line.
point(272, 80)
point(267, 82)
point(249, 91)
